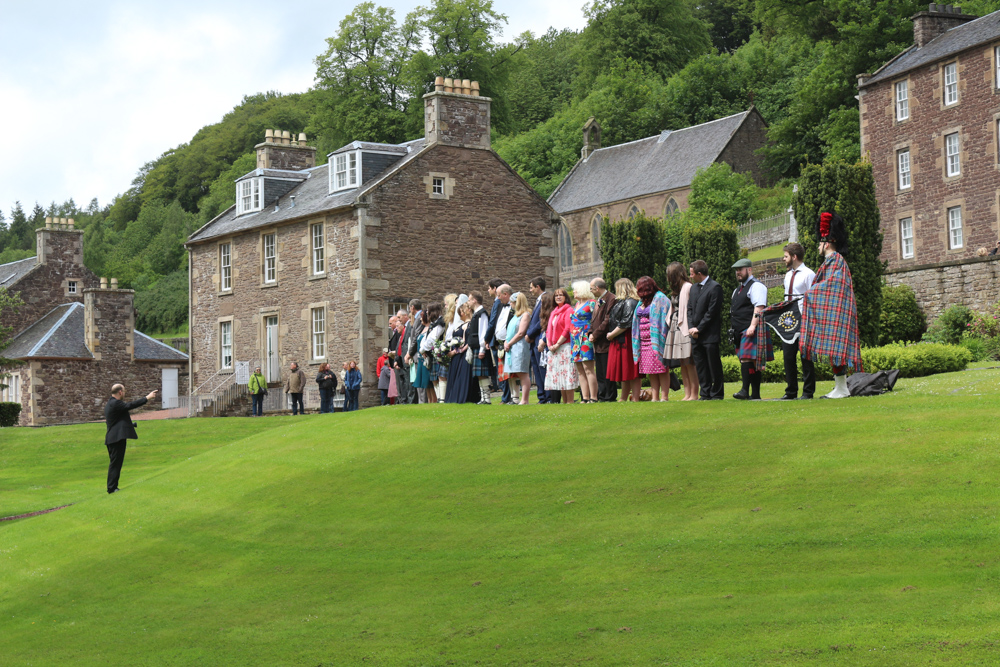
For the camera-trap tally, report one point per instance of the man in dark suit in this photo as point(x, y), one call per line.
point(705, 320)
point(537, 287)
point(607, 391)
point(491, 328)
point(120, 430)
point(413, 332)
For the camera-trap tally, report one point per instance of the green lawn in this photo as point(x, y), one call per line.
point(770, 252)
point(856, 532)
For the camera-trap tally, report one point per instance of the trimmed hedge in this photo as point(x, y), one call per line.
point(911, 360)
point(901, 317)
point(9, 413)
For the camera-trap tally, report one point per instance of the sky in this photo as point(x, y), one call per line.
point(91, 91)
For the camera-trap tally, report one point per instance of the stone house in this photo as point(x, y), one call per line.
point(652, 175)
point(930, 124)
point(312, 260)
point(76, 337)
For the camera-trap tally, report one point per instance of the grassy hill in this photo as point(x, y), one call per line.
point(860, 532)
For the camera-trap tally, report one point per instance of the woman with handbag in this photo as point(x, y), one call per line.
point(258, 390)
point(649, 330)
point(677, 350)
point(621, 364)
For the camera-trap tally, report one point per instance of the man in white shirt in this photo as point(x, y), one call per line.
point(749, 299)
point(798, 280)
point(504, 293)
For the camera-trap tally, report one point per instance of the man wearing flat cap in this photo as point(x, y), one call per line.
point(748, 329)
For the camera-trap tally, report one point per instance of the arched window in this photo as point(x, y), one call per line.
point(565, 246)
point(671, 208)
point(632, 212)
point(595, 238)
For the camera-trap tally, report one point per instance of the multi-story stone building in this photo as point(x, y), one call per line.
point(652, 175)
point(312, 260)
point(75, 336)
point(930, 124)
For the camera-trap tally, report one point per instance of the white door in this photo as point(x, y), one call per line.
point(169, 391)
point(273, 363)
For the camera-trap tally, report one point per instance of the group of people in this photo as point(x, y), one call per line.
point(458, 351)
point(349, 381)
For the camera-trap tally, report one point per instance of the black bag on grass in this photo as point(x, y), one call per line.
point(872, 384)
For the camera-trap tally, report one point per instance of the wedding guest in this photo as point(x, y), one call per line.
point(327, 381)
point(385, 379)
point(560, 375)
point(546, 304)
point(352, 386)
point(475, 338)
point(583, 347)
point(433, 331)
point(678, 346)
point(536, 331)
point(649, 329)
point(621, 363)
point(607, 391)
point(460, 384)
point(517, 350)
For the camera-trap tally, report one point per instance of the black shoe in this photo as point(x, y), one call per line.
point(804, 397)
point(786, 398)
point(741, 395)
point(114, 490)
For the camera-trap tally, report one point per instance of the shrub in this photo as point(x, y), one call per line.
point(632, 249)
point(901, 319)
point(950, 325)
point(9, 413)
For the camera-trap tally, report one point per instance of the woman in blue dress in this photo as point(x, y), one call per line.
point(517, 352)
point(460, 383)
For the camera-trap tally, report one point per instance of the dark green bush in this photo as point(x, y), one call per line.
point(633, 248)
point(901, 319)
point(9, 413)
point(950, 325)
point(718, 244)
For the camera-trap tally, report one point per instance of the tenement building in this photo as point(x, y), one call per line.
point(930, 124)
point(75, 337)
point(652, 175)
point(312, 260)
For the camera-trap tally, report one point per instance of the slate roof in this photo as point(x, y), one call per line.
point(369, 146)
point(663, 162)
point(150, 349)
point(11, 272)
point(57, 334)
point(276, 173)
point(60, 334)
point(980, 31)
point(312, 196)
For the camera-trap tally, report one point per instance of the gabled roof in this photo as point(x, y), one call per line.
point(312, 196)
point(11, 272)
point(666, 161)
point(60, 334)
point(371, 146)
point(980, 31)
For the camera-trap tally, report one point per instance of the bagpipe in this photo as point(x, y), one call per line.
point(785, 319)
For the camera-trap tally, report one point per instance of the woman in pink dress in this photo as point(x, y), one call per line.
point(649, 329)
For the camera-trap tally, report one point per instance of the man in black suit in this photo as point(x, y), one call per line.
point(120, 430)
point(705, 320)
point(413, 332)
point(532, 334)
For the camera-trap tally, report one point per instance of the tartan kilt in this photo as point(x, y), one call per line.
point(434, 368)
point(747, 351)
point(481, 367)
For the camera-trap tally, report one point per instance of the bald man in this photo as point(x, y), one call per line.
point(120, 430)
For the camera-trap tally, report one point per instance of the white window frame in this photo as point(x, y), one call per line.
point(902, 100)
point(270, 243)
point(906, 237)
point(903, 169)
point(225, 345)
point(249, 195)
point(344, 171)
point(12, 394)
point(225, 267)
point(317, 328)
point(437, 185)
point(996, 66)
point(317, 242)
point(951, 84)
point(955, 239)
point(71, 287)
point(952, 153)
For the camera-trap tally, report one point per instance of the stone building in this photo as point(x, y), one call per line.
point(930, 124)
point(76, 337)
point(312, 260)
point(652, 175)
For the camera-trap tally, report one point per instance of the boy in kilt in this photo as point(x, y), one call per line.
point(475, 336)
point(829, 312)
point(752, 342)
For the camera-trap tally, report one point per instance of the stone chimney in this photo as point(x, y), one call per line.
point(591, 138)
point(282, 150)
point(60, 243)
point(109, 322)
point(455, 114)
point(937, 20)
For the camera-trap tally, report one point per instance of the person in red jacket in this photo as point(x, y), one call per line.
point(560, 374)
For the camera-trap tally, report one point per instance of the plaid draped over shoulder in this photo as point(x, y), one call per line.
point(830, 316)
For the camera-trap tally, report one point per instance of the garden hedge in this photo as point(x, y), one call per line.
point(9, 413)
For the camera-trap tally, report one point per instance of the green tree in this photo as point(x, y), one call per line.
point(10, 302)
point(847, 189)
point(730, 22)
point(717, 243)
point(542, 76)
point(717, 192)
point(633, 248)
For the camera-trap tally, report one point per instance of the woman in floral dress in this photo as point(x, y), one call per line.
point(560, 375)
point(649, 331)
point(583, 349)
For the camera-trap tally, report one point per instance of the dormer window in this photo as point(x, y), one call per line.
point(345, 171)
point(249, 195)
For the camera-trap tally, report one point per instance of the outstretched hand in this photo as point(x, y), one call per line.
point(151, 395)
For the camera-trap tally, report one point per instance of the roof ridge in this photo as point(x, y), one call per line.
point(159, 342)
point(689, 127)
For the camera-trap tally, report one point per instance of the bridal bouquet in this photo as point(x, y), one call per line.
point(443, 347)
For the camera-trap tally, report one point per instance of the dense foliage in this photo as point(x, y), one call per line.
point(638, 67)
point(950, 325)
point(901, 317)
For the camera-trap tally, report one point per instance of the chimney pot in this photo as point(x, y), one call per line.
point(286, 137)
point(104, 283)
point(268, 135)
point(438, 84)
point(302, 138)
point(114, 283)
point(72, 223)
point(48, 223)
point(466, 87)
point(448, 84)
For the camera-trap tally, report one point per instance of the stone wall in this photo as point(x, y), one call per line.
point(60, 260)
point(457, 120)
point(974, 117)
point(741, 151)
point(973, 282)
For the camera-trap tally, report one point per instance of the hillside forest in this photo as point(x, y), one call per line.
point(638, 67)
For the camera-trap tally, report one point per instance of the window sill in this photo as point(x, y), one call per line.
point(318, 276)
point(952, 179)
point(316, 362)
point(904, 191)
point(225, 293)
point(268, 285)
